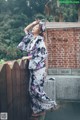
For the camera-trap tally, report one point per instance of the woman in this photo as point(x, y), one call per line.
point(33, 43)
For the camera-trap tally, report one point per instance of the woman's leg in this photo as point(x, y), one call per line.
point(39, 99)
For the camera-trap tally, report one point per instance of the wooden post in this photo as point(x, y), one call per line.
point(16, 91)
point(9, 92)
point(3, 90)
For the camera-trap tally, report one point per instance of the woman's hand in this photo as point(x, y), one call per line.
point(26, 57)
point(36, 22)
point(26, 29)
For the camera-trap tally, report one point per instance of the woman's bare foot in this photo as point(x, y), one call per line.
point(56, 107)
point(40, 113)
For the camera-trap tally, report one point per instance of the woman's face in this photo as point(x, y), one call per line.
point(36, 29)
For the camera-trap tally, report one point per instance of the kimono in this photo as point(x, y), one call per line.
point(37, 49)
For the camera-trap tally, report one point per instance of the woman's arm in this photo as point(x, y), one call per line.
point(26, 57)
point(26, 29)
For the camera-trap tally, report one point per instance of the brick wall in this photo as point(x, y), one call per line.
point(63, 47)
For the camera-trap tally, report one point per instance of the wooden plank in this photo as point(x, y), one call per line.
point(27, 75)
point(18, 99)
point(16, 91)
point(9, 92)
point(3, 90)
point(24, 97)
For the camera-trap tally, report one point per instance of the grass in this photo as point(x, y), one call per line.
point(2, 61)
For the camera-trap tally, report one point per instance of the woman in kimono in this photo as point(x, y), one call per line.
point(33, 43)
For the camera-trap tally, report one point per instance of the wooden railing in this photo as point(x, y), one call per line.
point(14, 98)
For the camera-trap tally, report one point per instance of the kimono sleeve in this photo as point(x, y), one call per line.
point(26, 39)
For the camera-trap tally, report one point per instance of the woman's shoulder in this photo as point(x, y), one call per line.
point(40, 41)
point(40, 38)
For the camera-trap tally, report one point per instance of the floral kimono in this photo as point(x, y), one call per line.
point(37, 49)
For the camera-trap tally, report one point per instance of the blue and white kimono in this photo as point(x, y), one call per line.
point(36, 47)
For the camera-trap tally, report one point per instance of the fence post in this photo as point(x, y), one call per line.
point(16, 91)
point(9, 92)
point(3, 90)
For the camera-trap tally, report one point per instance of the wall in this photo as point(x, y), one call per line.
point(63, 48)
point(63, 44)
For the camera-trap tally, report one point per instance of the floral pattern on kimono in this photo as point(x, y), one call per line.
point(36, 47)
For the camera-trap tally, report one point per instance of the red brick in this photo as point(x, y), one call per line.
point(63, 48)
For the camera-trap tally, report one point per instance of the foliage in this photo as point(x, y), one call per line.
point(17, 14)
point(2, 61)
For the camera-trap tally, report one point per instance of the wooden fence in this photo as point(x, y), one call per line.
point(14, 99)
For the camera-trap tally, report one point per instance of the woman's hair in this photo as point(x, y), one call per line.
point(41, 34)
point(41, 31)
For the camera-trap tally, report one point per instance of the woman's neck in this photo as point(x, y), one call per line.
point(35, 35)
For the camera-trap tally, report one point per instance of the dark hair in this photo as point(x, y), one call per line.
point(41, 31)
point(41, 34)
